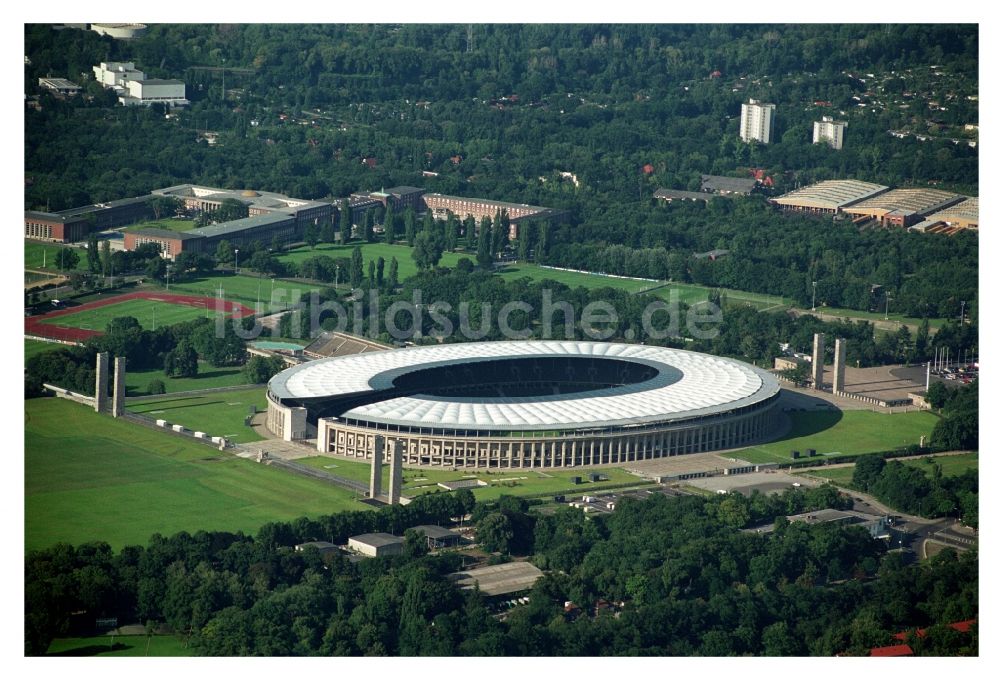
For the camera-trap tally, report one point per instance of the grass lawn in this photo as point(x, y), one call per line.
point(936, 323)
point(245, 289)
point(150, 313)
point(218, 414)
point(43, 256)
point(524, 483)
point(33, 347)
point(174, 224)
point(124, 646)
point(573, 279)
point(842, 433)
point(951, 465)
point(137, 382)
point(90, 477)
point(694, 293)
point(372, 251)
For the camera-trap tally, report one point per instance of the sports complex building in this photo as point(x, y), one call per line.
point(524, 403)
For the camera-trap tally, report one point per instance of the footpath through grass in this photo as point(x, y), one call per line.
point(572, 278)
point(91, 477)
point(121, 646)
point(524, 483)
point(842, 434)
point(372, 251)
point(217, 414)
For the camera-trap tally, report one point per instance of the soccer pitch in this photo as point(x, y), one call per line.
point(149, 313)
point(90, 477)
point(246, 289)
point(573, 279)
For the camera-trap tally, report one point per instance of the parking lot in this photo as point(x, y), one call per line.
point(765, 482)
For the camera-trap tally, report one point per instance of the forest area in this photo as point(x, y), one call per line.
point(700, 587)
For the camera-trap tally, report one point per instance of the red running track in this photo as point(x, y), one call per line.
point(34, 326)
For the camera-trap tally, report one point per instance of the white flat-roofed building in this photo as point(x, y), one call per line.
point(757, 121)
point(116, 74)
point(376, 544)
point(829, 131)
point(146, 92)
point(828, 197)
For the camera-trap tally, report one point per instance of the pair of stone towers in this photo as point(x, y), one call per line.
point(839, 360)
point(116, 407)
point(395, 470)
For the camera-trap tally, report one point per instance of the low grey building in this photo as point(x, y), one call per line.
point(376, 544)
point(438, 537)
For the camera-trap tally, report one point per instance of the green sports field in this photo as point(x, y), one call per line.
point(121, 646)
point(842, 434)
point(245, 289)
point(573, 279)
point(508, 482)
point(41, 256)
point(137, 382)
point(913, 322)
point(217, 414)
point(149, 313)
point(372, 251)
point(91, 477)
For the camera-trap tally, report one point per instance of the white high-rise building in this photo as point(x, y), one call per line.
point(829, 131)
point(757, 121)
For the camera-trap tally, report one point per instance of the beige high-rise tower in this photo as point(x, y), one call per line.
point(757, 121)
point(839, 361)
point(817, 363)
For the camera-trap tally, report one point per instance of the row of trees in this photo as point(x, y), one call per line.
point(919, 488)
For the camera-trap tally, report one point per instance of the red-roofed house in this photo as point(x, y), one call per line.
point(892, 651)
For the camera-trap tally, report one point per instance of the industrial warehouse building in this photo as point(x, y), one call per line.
point(961, 216)
point(828, 197)
point(524, 404)
point(902, 207)
point(376, 544)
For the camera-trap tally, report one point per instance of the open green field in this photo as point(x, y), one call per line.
point(842, 433)
point(951, 465)
point(137, 382)
point(524, 483)
point(121, 646)
point(573, 279)
point(149, 313)
point(42, 256)
point(218, 414)
point(91, 477)
point(936, 323)
point(691, 294)
point(173, 224)
point(244, 289)
point(372, 251)
point(33, 347)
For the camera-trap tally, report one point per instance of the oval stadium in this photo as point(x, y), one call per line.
point(524, 403)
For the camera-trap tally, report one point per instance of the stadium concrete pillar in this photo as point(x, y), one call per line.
point(375, 483)
point(101, 383)
point(118, 403)
point(396, 472)
point(839, 359)
point(817, 362)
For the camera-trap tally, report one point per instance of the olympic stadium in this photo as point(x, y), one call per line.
point(524, 403)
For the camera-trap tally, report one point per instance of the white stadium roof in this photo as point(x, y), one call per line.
point(689, 385)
